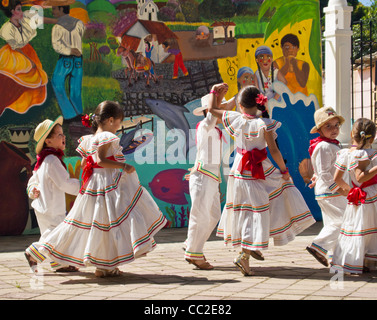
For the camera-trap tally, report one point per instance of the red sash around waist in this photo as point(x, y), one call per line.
point(357, 195)
point(88, 169)
point(252, 161)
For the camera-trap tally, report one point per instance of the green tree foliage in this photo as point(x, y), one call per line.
point(365, 31)
point(190, 10)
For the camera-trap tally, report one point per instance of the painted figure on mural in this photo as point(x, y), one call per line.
point(149, 46)
point(245, 77)
point(293, 72)
point(23, 80)
point(172, 47)
point(266, 73)
point(67, 42)
point(137, 63)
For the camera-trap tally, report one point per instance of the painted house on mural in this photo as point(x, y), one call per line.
point(137, 31)
point(223, 31)
point(147, 10)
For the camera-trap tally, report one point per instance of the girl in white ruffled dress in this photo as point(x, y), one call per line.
point(261, 200)
point(357, 242)
point(113, 219)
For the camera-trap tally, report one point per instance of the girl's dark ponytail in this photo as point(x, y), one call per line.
point(105, 110)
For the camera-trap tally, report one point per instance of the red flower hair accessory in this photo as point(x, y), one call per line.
point(87, 120)
point(261, 99)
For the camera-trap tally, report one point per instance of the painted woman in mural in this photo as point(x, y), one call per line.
point(294, 72)
point(23, 80)
point(245, 77)
point(266, 73)
point(149, 48)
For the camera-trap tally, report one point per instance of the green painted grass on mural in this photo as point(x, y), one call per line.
point(92, 96)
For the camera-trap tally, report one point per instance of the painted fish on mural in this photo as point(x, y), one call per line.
point(170, 186)
point(173, 115)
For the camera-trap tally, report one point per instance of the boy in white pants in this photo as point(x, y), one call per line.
point(47, 186)
point(330, 197)
point(205, 178)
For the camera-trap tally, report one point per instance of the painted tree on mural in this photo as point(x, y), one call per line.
point(289, 12)
point(95, 33)
point(190, 10)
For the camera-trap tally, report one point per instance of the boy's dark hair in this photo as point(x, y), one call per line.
point(106, 110)
point(291, 38)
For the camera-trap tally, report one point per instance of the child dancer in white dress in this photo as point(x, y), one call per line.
point(330, 197)
point(47, 187)
point(113, 219)
point(261, 201)
point(357, 241)
point(205, 178)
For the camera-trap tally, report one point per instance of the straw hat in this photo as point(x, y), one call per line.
point(199, 111)
point(43, 130)
point(322, 115)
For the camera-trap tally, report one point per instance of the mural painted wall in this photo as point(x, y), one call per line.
point(157, 58)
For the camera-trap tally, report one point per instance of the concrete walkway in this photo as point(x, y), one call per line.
point(288, 273)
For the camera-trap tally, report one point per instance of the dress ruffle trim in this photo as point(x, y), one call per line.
point(235, 124)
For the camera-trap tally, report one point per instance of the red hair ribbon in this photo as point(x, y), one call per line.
point(87, 120)
point(261, 99)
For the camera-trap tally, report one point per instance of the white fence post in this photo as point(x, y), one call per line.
point(338, 35)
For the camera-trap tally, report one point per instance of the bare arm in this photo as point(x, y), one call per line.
point(301, 75)
point(344, 188)
point(107, 163)
point(275, 153)
point(83, 163)
point(229, 105)
point(362, 174)
point(214, 98)
point(49, 20)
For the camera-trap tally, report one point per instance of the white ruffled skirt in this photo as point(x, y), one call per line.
point(256, 210)
point(357, 241)
point(112, 222)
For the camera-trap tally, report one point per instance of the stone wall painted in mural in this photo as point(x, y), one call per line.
point(157, 58)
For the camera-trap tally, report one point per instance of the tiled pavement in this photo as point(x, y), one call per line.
point(288, 273)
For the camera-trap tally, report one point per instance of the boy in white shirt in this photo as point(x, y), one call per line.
point(330, 197)
point(48, 185)
point(205, 178)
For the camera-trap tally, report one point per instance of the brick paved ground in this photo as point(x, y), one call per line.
point(288, 273)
